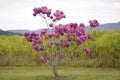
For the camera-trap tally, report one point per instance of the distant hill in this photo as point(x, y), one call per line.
point(2, 32)
point(108, 26)
point(23, 31)
point(18, 31)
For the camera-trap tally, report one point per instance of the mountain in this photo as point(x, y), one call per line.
point(23, 31)
point(108, 26)
point(2, 32)
point(18, 31)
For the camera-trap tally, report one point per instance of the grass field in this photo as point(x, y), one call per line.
point(104, 47)
point(19, 62)
point(39, 73)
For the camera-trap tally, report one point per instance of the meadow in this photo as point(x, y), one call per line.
point(105, 52)
point(44, 73)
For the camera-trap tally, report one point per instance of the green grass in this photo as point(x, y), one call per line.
point(39, 73)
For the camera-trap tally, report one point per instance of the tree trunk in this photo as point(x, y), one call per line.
point(55, 71)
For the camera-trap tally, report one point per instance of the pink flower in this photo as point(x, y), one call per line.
point(81, 29)
point(74, 25)
point(42, 10)
point(51, 25)
point(88, 36)
point(67, 28)
point(51, 17)
point(26, 34)
point(33, 34)
point(43, 32)
point(94, 23)
point(45, 10)
point(65, 43)
point(39, 41)
point(87, 50)
point(79, 40)
point(36, 11)
point(29, 38)
point(59, 15)
point(59, 29)
point(82, 37)
point(37, 48)
point(74, 34)
point(53, 34)
point(82, 25)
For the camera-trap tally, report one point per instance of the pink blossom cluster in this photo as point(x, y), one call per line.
point(58, 15)
point(34, 38)
point(53, 34)
point(42, 10)
point(65, 43)
point(94, 23)
point(87, 50)
point(43, 32)
point(73, 31)
point(70, 32)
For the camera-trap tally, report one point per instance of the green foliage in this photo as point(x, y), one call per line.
point(15, 51)
point(104, 46)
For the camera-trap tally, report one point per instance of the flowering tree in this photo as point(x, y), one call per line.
point(52, 43)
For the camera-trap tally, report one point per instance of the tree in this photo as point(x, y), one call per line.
point(60, 38)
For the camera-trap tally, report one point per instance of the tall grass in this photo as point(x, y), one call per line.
point(15, 51)
point(104, 46)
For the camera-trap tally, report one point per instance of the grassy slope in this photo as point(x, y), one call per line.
point(73, 73)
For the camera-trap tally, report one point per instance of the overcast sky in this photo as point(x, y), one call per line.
point(17, 14)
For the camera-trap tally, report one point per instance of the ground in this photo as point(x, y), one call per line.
point(57, 79)
point(65, 73)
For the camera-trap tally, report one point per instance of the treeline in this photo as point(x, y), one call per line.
point(2, 32)
point(104, 46)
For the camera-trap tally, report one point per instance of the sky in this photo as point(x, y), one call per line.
point(18, 14)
